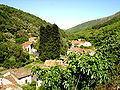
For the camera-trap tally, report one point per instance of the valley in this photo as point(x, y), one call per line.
point(35, 54)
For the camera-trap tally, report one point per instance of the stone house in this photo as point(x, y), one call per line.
point(33, 39)
point(79, 43)
point(8, 85)
point(80, 50)
point(28, 46)
point(19, 76)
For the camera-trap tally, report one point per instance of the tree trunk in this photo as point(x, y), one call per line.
point(73, 83)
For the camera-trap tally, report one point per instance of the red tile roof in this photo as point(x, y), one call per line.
point(14, 87)
point(77, 42)
point(11, 79)
point(80, 50)
point(27, 43)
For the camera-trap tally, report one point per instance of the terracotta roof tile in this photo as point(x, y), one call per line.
point(11, 79)
point(21, 72)
point(27, 43)
point(80, 50)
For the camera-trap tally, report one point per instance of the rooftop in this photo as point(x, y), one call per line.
point(27, 43)
point(80, 50)
point(11, 79)
point(75, 41)
point(21, 72)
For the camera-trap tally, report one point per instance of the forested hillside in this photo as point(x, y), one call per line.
point(95, 23)
point(20, 24)
point(16, 27)
point(100, 71)
point(83, 26)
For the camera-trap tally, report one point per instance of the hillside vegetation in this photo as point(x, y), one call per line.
point(84, 72)
point(20, 24)
point(16, 27)
point(94, 23)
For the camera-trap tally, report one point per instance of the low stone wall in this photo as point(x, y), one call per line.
point(53, 62)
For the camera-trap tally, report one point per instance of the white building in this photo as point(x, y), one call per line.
point(79, 43)
point(5, 84)
point(19, 76)
point(28, 46)
point(87, 44)
point(80, 50)
point(33, 39)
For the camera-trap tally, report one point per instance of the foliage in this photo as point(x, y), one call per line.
point(83, 26)
point(49, 44)
point(16, 27)
point(11, 53)
point(85, 47)
point(39, 61)
point(19, 23)
point(95, 24)
point(83, 72)
point(31, 86)
point(28, 66)
point(106, 39)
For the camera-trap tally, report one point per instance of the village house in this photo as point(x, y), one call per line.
point(80, 50)
point(7, 85)
point(28, 46)
point(19, 76)
point(79, 43)
point(33, 39)
point(15, 77)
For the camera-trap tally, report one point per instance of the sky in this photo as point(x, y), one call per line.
point(66, 13)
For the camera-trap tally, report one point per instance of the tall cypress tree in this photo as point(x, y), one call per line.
point(49, 45)
point(56, 41)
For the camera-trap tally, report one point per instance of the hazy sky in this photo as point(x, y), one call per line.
point(66, 13)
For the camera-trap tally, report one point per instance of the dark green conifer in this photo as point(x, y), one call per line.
point(49, 46)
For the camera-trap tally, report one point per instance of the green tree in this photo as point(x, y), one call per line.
point(49, 44)
point(84, 72)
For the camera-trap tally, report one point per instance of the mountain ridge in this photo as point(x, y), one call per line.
point(90, 23)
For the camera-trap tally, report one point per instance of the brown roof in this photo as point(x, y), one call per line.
point(21, 72)
point(77, 42)
point(27, 43)
point(3, 87)
point(11, 79)
point(80, 50)
point(33, 38)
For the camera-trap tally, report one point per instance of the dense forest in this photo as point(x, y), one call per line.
point(16, 27)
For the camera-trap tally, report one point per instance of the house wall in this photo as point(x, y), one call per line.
point(39, 82)
point(68, 52)
point(87, 44)
point(28, 48)
point(4, 81)
point(23, 80)
point(6, 74)
point(92, 53)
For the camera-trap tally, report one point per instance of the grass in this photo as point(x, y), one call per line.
point(38, 61)
point(3, 69)
point(28, 66)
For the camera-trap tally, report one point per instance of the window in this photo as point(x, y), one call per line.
point(26, 81)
